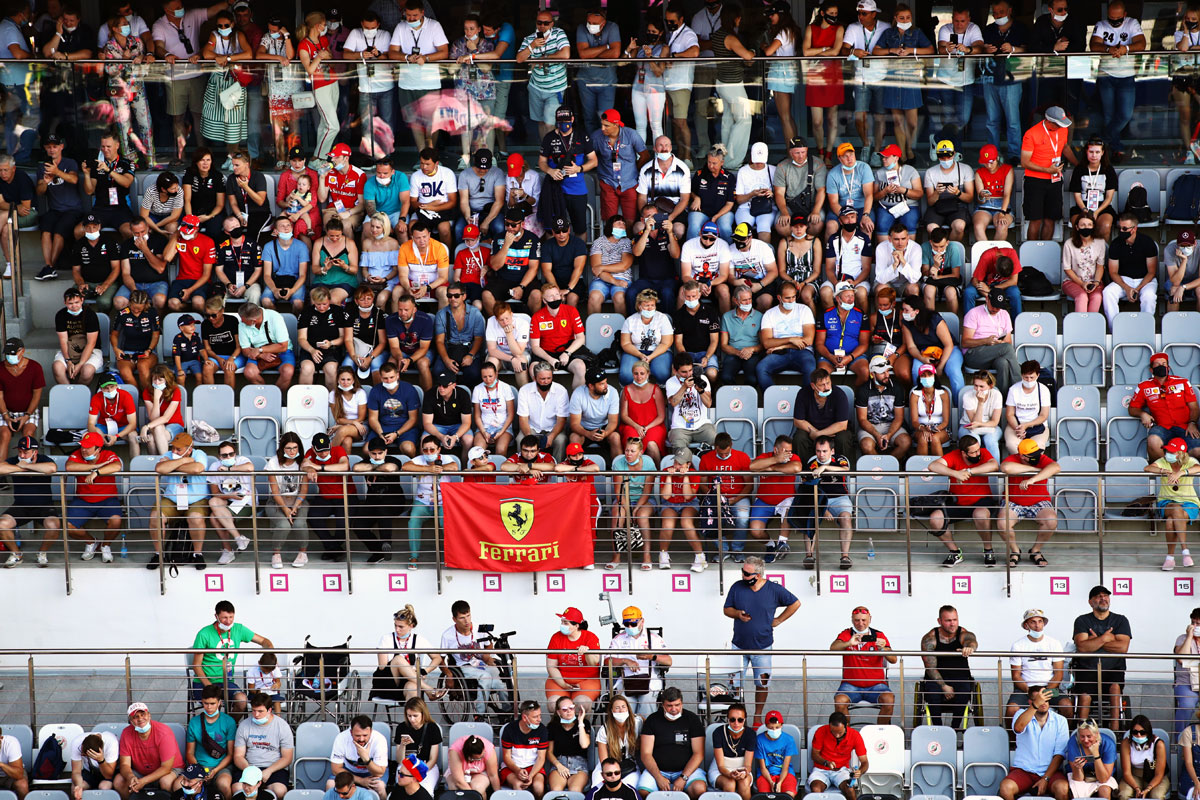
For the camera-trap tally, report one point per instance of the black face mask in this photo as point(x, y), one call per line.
point(1122, 236)
point(1191, 26)
point(1033, 458)
point(1116, 23)
point(975, 459)
point(612, 784)
point(830, 20)
point(850, 226)
point(1085, 233)
point(750, 581)
point(1159, 372)
point(237, 233)
point(713, 6)
point(575, 462)
point(672, 28)
point(553, 304)
point(650, 37)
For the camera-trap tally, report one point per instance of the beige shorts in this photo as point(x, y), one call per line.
point(185, 94)
point(96, 360)
point(681, 100)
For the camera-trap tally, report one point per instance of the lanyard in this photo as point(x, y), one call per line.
point(888, 329)
point(421, 257)
point(473, 258)
point(868, 39)
point(848, 182)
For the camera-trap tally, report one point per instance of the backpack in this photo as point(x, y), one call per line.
point(49, 762)
point(177, 548)
point(1034, 283)
point(1184, 202)
point(1137, 202)
point(1047, 379)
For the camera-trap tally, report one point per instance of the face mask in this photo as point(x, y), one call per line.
point(225, 32)
point(632, 630)
point(416, 25)
point(109, 395)
point(188, 791)
point(594, 30)
point(490, 384)
point(564, 127)
point(561, 718)
point(213, 715)
point(92, 457)
point(142, 728)
point(830, 20)
point(621, 716)
point(159, 385)
point(973, 459)
point(383, 181)
point(1059, 18)
point(1122, 236)
point(774, 733)
point(472, 38)
point(647, 314)
point(276, 34)
point(798, 236)
point(74, 312)
point(725, 457)
point(788, 306)
point(365, 309)
point(886, 312)
point(1140, 739)
point(640, 384)
point(846, 306)
point(619, 233)
point(125, 30)
point(285, 236)
point(228, 462)
point(1035, 635)
point(902, 26)
point(1186, 252)
point(824, 460)
point(1033, 459)
point(258, 721)
point(222, 625)
point(92, 235)
point(251, 795)
point(342, 167)
point(672, 717)
point(744, 308)
point(237, 233)
point(179, 12)
point(392, 386)
point(378, 461)
point(565, 629)
point(1085, 233)
point(1171, 457)
point(946, 162)
point(1159, 372)
point(824, 392)
point(927, 381)
point(663, 156)
point(1028, 384)
point(1116, 21)
point(909, 316)
point(333, 26)
point(553, 304)
point(1001, 22)
point(692, 303)
point(1191, 26)
point(850, 227)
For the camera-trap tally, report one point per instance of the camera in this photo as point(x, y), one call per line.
point(700, 383)
point(487, 627)
point(869, 637)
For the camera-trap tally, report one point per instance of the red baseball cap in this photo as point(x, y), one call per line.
point(572, 614)
point(340, 151)
point(773, 716)
point(91, 439)
point(574, 449)
point(191, 220)
point(514, 164)
point(1176, 445)
point(612, 116)
point(891, 150)
point(471, 232)
point(988, 153)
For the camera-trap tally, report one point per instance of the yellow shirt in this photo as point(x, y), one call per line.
point(1185, 492)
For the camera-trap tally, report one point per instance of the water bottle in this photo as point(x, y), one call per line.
point(124, 547)
point(870, 549)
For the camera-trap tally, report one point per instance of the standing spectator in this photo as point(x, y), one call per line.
point(860, 41)
point(738, 337)
point(799, 186)
point(427, 502)
point(78, 328)
point(1183, 270)
point(620, 154)
point(184, 493)
point(1042, 159)
point(1042, 736)
point(29, 472)
point(1166, 404)
point(543, 410)
point(196, 255)
point(1100, 679)
point(754, 193)
point(149, 754)
point(478, 83)
point(672, 748)
point(21, 386)
point(850, 185)
point(112, 413)
point(1132, 268)
point(1093, 188)
point(704, 23)
point(649, 91)
point(820, 411)
point(903, 39)
point(987, 341)
point(971, 497)
point(993, 190)
point(712, 196)
point(283, 81)
point(1083, 263)
point(949, 190)
point(1030, 667)
point(482, 206)
point(1027, 409)
point(96, 264)
point(751, 604)
point(1029, 470)
point(690, 398)
point(1117, 36)
point(523, 745)
point(265, 343)
point(832, 746)
point(730, 81)
point(226, 45)
point(864, 677)
point(547, 80)
point(1060, 32)
point(735, 492)
point(787, 335)
point(950, 103)
point(16, 199)
point(1144, 760)
point(422, 44)
point(263, 749)
point(879, 405)
point(58, 181)
point(313, 50)
point(370, 43)
point(948, 685)
point(1001, 92)
point(597, 39)
point(682, 43)
point(929, 412)
point(177, 38)
point(823, 90)
point(18, 44)
point(1177, 501)
point(1186, 693)
point(326, 466)
point(900, 193)
point(495, 409)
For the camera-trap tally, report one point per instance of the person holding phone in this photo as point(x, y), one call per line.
point(864, 677)
point(1089, 761)
point(1042, 741)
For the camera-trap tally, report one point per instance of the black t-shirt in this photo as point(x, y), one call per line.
point(1104, 179)
point(656, 262)
point(673, 740)
point(19, 190)
point(366, 329)
point(77, 327)
point(561, 151)
point(188, 349)
point(204, 190)
point(95, 260)
point(245, 259)
point(999, 67)
point(327, 325)
point(258, 183)
point(623, 792)
point(429, 735)
point(135, 332)
point(1118, 624)
point(566, 742)
point(447, 411)
point(881, 404)
point(109, 193)
point(714, 193)
point(385, 486)
point(1046, 34)
point(1131, 258)
point(139, 268)
point(697, 328)
point(521, 254)
point(562, 259)
point(221, 340)
point(31, 490)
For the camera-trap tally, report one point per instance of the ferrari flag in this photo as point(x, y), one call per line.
point(516, 528)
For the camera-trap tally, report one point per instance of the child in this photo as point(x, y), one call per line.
point(469, 265)
point(186, 349)
point(301, 207)
point(266, 678)
point(773, 756)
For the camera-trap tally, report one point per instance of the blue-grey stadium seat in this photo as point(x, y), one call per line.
point(1124, 482)
point(260, 418)
point(876, 497)
point(1035, 335)
point(1076, 497)
point(777, 410)
point(1125, 434)
point(736, 412)
point(1180, 332)
point(985, 759)
point(934, 760)
point(214, 405)
point(1078, 429)
point(1149, 178)
point(1084, 353)
point(1133, 343)
point(1045, 256)
point(68, 407)
point(314, 744)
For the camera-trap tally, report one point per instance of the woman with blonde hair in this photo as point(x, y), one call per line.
point(348, 408)
point(617, 737)
point(401, 672)
point(379, 258)
point(314, 51)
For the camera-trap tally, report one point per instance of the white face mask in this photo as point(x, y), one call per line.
point(647, 313)
point(594, 30)
point(1001, 22)
point(391, 387)
point(159, 385)
point(671, 716)
point(744, 308)
point(1059, 18)
point(1186, 252)
point(1036, 634)
point(621, 716)
point(1028, 384)
point(383, 181)
point(902, 26)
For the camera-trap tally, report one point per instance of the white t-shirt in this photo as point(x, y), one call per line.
point(374, 75)
point(263, 681)
point(646, 335)
point(787, 47)
point(680, 72)
point(433, 188)
point(751, 264)
point(948, 71)
point(969, 402)
point(873, 70)
point(1027, 405)
point(749, 179)
point(543, 412)
point(1124, 34)
point(453, 640)
point(1036, 670)
point(960, 175)
point(493, 403)
point(885, 262)
point(691, 413)
point(495, 334)
point(783, 325)
point(10, 749)
point(640, 644)
point(345, 754)
point(389, 641)
point(704, 22)
point(229, 482)
point(349, 407)
point(110, 747)
point(424, 484)
point(848, 256)
point(289, 483)
point(425, 41)
point(705, 261)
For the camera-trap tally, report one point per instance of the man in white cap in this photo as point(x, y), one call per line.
point(880, 405)
point(1030, 667)
point(754, 194)
point(1041, 158)
point(149, 754)
point(860, 40)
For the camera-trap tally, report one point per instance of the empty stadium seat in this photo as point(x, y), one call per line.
point(314, 744)
point(521, 794)
point(1149, 178)
point(736, 410)
point(1125, 434)
point(214, 405)
point(68, 409)
point(1133, 343)
point(934, 760)
point(260, 419)
point(304, 794)
point(1084, 352)
point(1172, 176)
point(1035, 336)
point(115, 728)
point(1124, 482)
point(876, 498)
point(1076, 497)
point(1180, 331)
point(778, 405)
point(307, 411)
point(47, 794)
point(985, 757)
point(67, 732)
point(1078, 429)
point(99, 794)
point(885, 750)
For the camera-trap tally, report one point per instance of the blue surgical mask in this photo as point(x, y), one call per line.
point(258, 721)
point(74, 312)
point(774, 733)
point(744, 307)
point(927, 381)
point(179, 12)
point(159, 385)
point(415, 25)
point(1140, 739)
point(92, 457)
point(788, 306)
point(632, 629)
point(564, 127)
point(142, 728)
point(226, 32)
point(285, 236)
point(14, 360)
point(647, 313)
point(565, 629)
point(1035, 635)
point(887, 312)
point(110, 394)
point(92, 235)
point(188, 791)
point(378, 461)
point(276, 34)
point(640, 384)
point(619, 233)
point(663, 156)
point(125, 29)
point(824, 392)
point(847, 306)
point(1171, 457)
point(228, 462)
point(214, 714)
point(692, 303)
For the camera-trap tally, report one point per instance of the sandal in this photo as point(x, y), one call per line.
point(1014, 559)
point(612, 565)
point(645, 567)
point(1037, 558)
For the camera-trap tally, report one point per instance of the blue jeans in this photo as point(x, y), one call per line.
point(1185, 707)
point(595, 98)
point(21, 121)
point(884, 219)
point(416, 520)
point(1013, 293)
point(802, 360)
point(696, 219)
point(660, 368)
point(1116, 101)
point(665, 289)
point(372, 105)
point(954, 373)
point(989, 438)
point(735, 540)
point(1005, 98)
point(254, 120)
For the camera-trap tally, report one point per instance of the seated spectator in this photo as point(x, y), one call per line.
point(1132, 269)
point(409, 336)
point(617, 746)
point(222, 350)
point(483, 206)
point(143, 267)
point(162, 204)
point(78, 328)
point(563, 260)
point(570, 737)
point(458, 338)
point(752, 263)
point(880, 407)
point(705, 260)
point(1093, 188)
point(268, 763)
point(997, 268)
point(366, 351)
point(393, 409)
point(927, 340)
point(1177, 501)
point(712, 198)
point(641, 674)
point(665, 183)
point(424, 265)
point(1029, 470)
point(209, 740)
point(285, 268)
point(184, 492)
point(832, 746)
point(787, 335)
point(632, 508)
point(21, 386)
point(30, 471)
point(820, 411)
point(93, 759)
point(149, 754)
point(362, 753)
point(507, 336)
point(418, 735)
point(1027, 409)
point(970, 497)
point(656, 250)
point(557, 335)
point(58, 181)
point(1089, 762)
point(898, 261)
point(987, 340)
point(738, 337)
point(239, 266)
point(899, 97)
point(345, 788)
point(982, 407)
point(495, 410)
point(842, 338)
point(1144, 760)
point(523, 188)
point(197, 254)
point(831, 496)
point(134, 339)
point(799, 186)
point(698, 329)
point(900, 193)
point(993, 193)
point(1183, 270)
point(472, 766)
point(387, 192)
point(643, 412)
point(514, 264)
point(163, 399)
point(798, 259)
point(611, 261)
point(1042, 739)
point(887, 335)
point(1030, 666)
point(774, 494)
point(340, 190)
point(647, 336)
point(378, 259)
point(942, 263)
point(266, 344)
point(1083, 264)
point(266, 677)
point(735, 492)
point(949, 190)
point(1166, 404)
point(95, 263)
point(929, 412)
point(523, 745)
point(542, 410)
point(595, 413)
point(446, 414)
point(774, 753)
point(849, 185)
point(16, 200)
point(733, 748)
point(334, 263)
point(95, 493)
point(848, 257)
point(112, 414)
point(672, 748)
point(231, 497)
point(287, 511)
point(690, 398)
point(754, 193)
point(204, 192)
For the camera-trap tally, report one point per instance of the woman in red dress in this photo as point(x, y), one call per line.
point(823, 89)
point(644, 412)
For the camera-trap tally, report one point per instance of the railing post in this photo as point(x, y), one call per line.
point(346, 534)
point(1100, 525)
point(62, 508)
point(908, 533)
point(437, 532)
point(1000, 689)
point(14, 234)
point(803, 688)
point(708, 688)
point(254, 537)
point(628, 512)
point(32, 696)
point(816, 523)
point(900, 705)
point(1007, 554)
point(720, 542)
point(321, 682)
point(129, 682)
point(162, 552)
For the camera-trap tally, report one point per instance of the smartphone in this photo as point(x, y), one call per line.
point(869, 637)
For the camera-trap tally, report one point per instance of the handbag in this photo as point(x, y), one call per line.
point(304, 100)
point(231, 96)
point(243, 77)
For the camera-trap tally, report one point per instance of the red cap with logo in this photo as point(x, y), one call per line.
point(91, 439)
point(612, 116)
point(514, 164)
point(572, 614)
point(471, 232)
point(574, 449)
point(773, 716)
point(341, 151)
point(988, 154)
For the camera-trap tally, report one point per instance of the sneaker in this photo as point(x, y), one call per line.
point(989, 558)
point(300, 560)
point(42, 561)
point(1187, 559)
point(242, 543)
point(227, 557)
point(769, 553)
point(198, 561)
point(154, 562)
point(664, 560)
point(13, 560)
point(1168, 564)
point(782, 549)
point(46, 273)
point(89, 552)
point(8, 269)
point(955, 557)
point(412, 563)
point(376, 558)
point(277, 561)
point(589, 566)
point(106, 554)
point(698, 563)
point(227, 165)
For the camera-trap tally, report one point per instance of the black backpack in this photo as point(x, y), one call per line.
point(1137, 202)
point(1046, 378)
point(177, 548)
point(1184, 202)
point(1034, 283)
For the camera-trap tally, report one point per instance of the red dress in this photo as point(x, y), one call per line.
point(824, 89)
point(644, 414)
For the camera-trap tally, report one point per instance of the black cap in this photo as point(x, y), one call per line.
point(333, 13)
point(1098, 589)
point(797, 141)
point(187, 319)
point(320, 442)
point(482, 158)
point(446, 379)
point(514, 214)
point(53, 138)
point(564, 114)
point(561, 224)
point(91, 219)
point(12, 346)
point(27, 443)
point(597, 376)
point(294, 153)
point(998, 298)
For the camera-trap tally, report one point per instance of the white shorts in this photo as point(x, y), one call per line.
point(96, 360)
point(831, 778)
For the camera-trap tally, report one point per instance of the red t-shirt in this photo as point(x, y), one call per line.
point(472, 264)
point(859, 669)
point(737, 462)
point(147, 755)
point(1034, 494)
point(194, 255)
point(675, 485)
point(535, 477)
point(1168, 403)
point(104, 487)
point(773, 489)
point(576, 477)
point(571, 665)
point(320, 77)
point(976, 487)
point(119, 409)
point(555, 331)
point(985, 270)
point(177, 417)
point(347, 187)
point(994, 181)
point(329, 484)
point(837, 751)
point(18, 389)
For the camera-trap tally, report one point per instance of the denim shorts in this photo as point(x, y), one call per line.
point(863, 694)
point(760, 664)
point(605, 288)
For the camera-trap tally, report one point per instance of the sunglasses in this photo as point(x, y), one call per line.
point(737, 719)
point(634, 440)
point(1126, 230)
point(543, 23)
point(1137, 732)
point(456, 294)
point(611, 774)
point(746, 574)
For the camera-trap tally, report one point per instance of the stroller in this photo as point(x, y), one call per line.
point(325, 679)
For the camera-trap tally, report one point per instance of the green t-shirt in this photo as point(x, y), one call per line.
point(210, 637)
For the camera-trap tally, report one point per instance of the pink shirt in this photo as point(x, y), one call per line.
point(479, 765)
point(985, 325)
point(147, 755)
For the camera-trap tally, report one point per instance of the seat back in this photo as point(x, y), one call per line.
point(1169, 186)
point(304, 794)
point(519, 794)
point(68, 409)
point(1078, 427)
point(1124, 482)
point(1035, 334)
point(115, 728)
point(1084, 354)
point(1149, 178)
point(1076, 497)
point(46, 794)
point(1133, 344)
point(985, 759)
point(651, 796)
point(307, 411)
point(736, 411)
point(214, 405)
point(180, 732)
point(876, 498)
point(67, 733)
point(170, 329)
point(921, 481)
point(94, 794)
point(24, 736)
point(1126, 435)
point(1179, 334)
point(314, 743)
point(779, 402)
point(934, 760)
point(601, 330)
point(1046, 257)
point(885, 749)
point(260, 416)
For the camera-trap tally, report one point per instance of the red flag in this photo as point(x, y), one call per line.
point(517, 528)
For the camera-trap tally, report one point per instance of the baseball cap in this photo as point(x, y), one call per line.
point(631, 612)
point(572, 614)
point(27, 443)
point(844, 147)
point(998, 298)
point(759, 152)
point(482, 158)
point(574, 449)
point(867, 5)
point(12, 346)
point(847, 211)
point(1033, 612)
point(333, 14)
point(93, 439)
point(892, 150)
point(108, 380)
point(250, 776)
point(187, 319)
point(514, 214)
point(134, 707)
point(190, 221)
point(773, 716)
point(182, 439)
point(53, 138)
point(709, 228)
point(1176, 445)
point(471, 232)
point(564, 114)
point(612, 116)
point(193, 772)
point(560, 225)
point(341, 151)
point(479, 452)
point(1059, 117)
point(295, 153)
point(1156, 356)
point(879, 364)
point(412, 765)
point(797, 141)
point(1186, 238)
point(446, 379)
point(514, 164)
point(1098, 589)
point(1028, 447)
point(320, 442)
point(927, 369)
point(742, 232)
point(843, 286)
point(596, 376)
point(988, 153)
point(944, 146)
point(91, 219)
point(241, 5)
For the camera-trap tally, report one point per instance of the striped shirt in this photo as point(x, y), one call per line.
point(153, 203)
point(547, 77)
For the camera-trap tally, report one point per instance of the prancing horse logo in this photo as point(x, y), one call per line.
point(517, 515)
